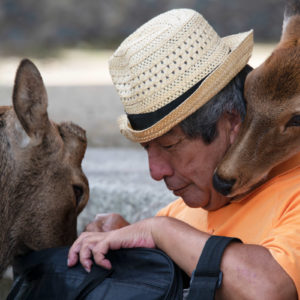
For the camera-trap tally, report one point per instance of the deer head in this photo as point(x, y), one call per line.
point(270, 132)
point(43, 188)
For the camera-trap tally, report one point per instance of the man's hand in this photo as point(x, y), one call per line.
point(106, 222)
point(97, 244)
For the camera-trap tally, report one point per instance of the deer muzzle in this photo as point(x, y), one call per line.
point(222, 185)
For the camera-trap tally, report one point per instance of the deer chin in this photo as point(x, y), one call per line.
point(240, 193)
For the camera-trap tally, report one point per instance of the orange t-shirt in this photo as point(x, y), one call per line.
point(269, 216)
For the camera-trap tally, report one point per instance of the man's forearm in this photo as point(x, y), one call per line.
point(181, 242)
point(249, 271)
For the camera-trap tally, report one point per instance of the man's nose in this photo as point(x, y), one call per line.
point(159, 165)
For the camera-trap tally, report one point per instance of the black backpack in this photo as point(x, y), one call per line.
point(139, 273)
point(136, 274)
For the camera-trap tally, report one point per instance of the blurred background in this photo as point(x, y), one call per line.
point(71, 41)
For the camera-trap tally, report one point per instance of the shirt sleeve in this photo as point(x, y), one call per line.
point(284, 239)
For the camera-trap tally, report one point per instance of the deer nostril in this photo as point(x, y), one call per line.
point(221, 185)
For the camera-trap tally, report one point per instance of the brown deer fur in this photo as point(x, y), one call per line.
point(42, 185)
point(271, 131)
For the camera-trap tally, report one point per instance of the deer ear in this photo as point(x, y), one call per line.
point(290, 27)
point(75, 141)
point(30, 100)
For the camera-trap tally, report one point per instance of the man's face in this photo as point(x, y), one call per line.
point(187, 165)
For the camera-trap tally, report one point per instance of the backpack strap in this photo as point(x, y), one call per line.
point(91, 281)
point(207, 276)
point(15, 289)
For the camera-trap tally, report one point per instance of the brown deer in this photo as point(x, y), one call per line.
point(270, 132)
point(42, 185)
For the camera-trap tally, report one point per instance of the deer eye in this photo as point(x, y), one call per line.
point(294, 121)
point(78, 192)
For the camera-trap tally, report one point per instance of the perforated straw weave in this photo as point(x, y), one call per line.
point(167, 56)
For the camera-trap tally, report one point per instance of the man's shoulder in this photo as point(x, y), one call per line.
point(286, 173)
point(286, 182)
point(279, 190)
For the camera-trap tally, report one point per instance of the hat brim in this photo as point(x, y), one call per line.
point(241, 46)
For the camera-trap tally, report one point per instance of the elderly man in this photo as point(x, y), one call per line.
point(182, 89)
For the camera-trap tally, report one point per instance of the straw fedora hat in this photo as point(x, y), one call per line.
point(170, 67)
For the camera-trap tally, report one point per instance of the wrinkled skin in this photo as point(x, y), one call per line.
point(43, 188)
point(270, 133)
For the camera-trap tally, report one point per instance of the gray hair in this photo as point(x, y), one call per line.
point(203, 122)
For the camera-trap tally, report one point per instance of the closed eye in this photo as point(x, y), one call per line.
point(168, 146)
point(294, 121)
point(172, 145)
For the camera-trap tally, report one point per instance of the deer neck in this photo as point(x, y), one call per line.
point(287, 165)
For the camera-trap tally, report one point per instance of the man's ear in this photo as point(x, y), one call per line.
point(235, 123)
